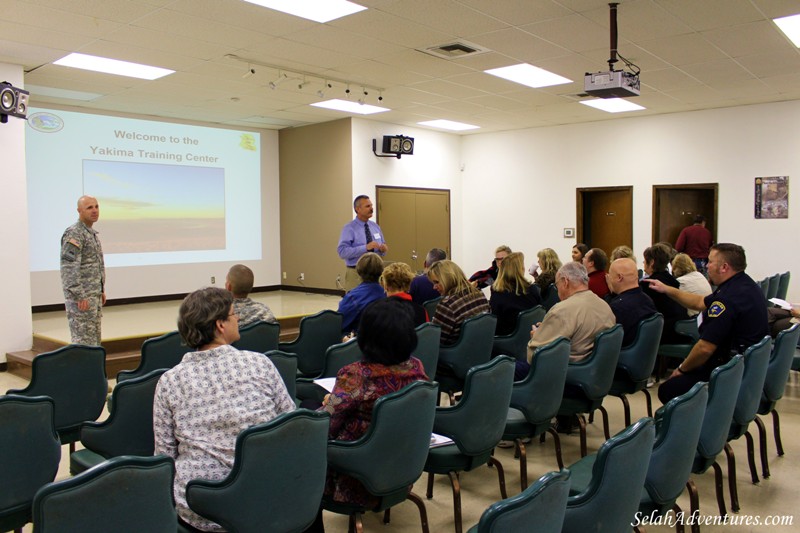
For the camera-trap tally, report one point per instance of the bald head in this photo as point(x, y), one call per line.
point(88, 210)
point(623, 275)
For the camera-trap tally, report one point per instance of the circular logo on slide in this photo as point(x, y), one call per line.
point(45, 122)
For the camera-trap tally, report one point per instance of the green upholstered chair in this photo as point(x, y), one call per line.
point(125, 495)
point(780, 365)
point(339, 356)
point(723, 388)
point(783, 285)
point(473, 347)
point(430, 306)
point(606, 487)
point(535, 401)
point(543, 504)
point(756, 361)
point(30, 455)
point(389, 457)
point(636, 364)
point(286, 365)
point(515, 344)
point(550, 297)
point(764, 284)
point(592, 376)
point(128, 430)
point(678, 426)
point(165, 351)
point(687, 328)
point(774, 286)
point(259, 337)
point(427, 350)
point(317, 332)
point(475, 424)
point(277, 478)
point(75, 378)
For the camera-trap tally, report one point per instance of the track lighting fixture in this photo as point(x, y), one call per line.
point(250, 72)
point(303, 83)
point(281, 78)
point(347, 91)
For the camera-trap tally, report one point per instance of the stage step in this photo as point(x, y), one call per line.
point(121, 354)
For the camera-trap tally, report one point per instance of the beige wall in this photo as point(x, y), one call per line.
point(316, 182)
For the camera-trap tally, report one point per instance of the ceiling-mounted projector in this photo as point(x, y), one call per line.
point(612, 84)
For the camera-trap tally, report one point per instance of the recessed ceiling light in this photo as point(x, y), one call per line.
point(316, 10)
point(350, 107)
point(528, 75)
point(448, 125)
point(791, 27)
point(112, 66)
point(612, 105)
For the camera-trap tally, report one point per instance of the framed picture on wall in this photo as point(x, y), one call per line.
point(772, 197)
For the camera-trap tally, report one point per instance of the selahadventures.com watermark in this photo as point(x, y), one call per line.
point(670, 519)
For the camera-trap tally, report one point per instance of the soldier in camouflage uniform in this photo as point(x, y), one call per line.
point(83, 274)
point(239, 282)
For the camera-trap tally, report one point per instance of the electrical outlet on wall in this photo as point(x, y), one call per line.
point(301, 277)
point(213, 280)
point(284, 275)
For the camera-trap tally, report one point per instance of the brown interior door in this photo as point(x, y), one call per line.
point(675, 206)
point(605, 217)
point(414, 221)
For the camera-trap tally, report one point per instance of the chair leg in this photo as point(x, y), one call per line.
point(582, 425)
point(762, 443)
point(557, 441)
point(523, 464)
point(720, 491)
point(456, 500)
point(591, 417)
point(501, 476)
point(751, 460)
point(605, 422)
point(649, 401)
point(694, 503)
point(626, 409)
point(429, 494)
point(678, 523)
point(387, 515)
point(72, 447)
point(423, 513)
point(776, 427)
point(732, 478)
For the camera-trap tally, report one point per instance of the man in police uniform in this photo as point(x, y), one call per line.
point(734, 317)
point(83, 274)
point(358, 237)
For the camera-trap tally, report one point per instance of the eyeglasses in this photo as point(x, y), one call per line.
point(499, 259)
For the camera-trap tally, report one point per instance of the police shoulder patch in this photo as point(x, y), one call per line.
point(716, 309)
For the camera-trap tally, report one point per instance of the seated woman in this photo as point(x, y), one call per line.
point(460, 299)
point(545, 275)
point(578, 251)
point(396, 280)
point(386, 338)
point(216, 392)
point(512, 293)
point(656, 260)
point(369, 268)
point(691, 280)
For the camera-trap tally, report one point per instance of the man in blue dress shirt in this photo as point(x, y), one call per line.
point(358, 237)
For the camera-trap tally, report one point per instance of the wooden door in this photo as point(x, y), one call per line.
point(675, 206)
point(413, 221)
point(605, 217)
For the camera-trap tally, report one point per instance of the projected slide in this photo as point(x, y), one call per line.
point(146, 207)
point(168, 193)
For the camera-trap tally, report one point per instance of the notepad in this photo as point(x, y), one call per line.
point(440, 440)
point(326, 383)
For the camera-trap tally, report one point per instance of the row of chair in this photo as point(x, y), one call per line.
point(775, 286)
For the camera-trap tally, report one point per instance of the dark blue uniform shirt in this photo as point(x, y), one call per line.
point(735, 318)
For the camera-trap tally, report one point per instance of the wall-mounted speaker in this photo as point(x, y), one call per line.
point(13, 102)
point(398, 144)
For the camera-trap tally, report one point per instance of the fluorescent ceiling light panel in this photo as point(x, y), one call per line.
point(350, 107)
point(316, 10)
point(528, 75)
point(791, 27)
point(448, 125)
point(113, 66)
point(612, 105)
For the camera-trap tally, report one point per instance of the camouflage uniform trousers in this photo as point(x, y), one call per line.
point(84, 326)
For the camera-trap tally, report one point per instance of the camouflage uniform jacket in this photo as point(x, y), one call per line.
point(250, 311)
point(83, 272)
